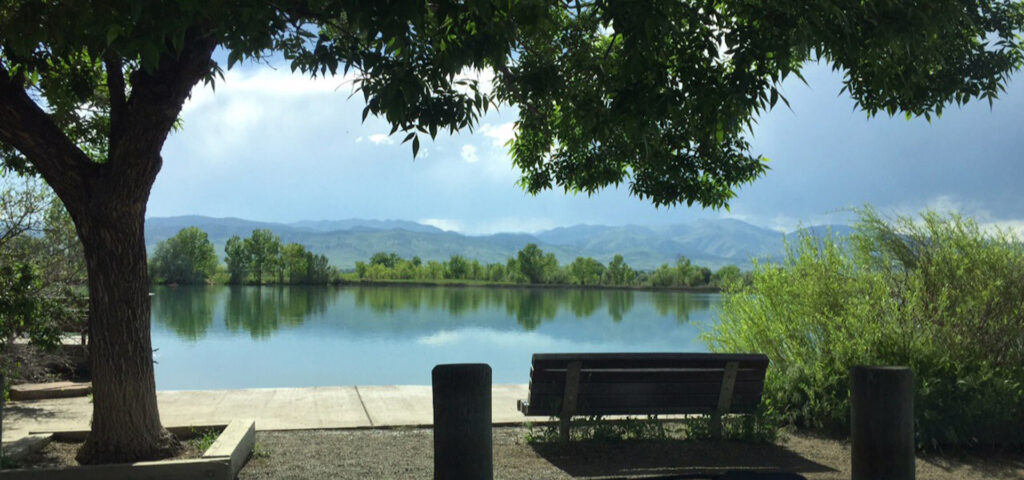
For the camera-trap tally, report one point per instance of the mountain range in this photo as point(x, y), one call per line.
point(712, 243)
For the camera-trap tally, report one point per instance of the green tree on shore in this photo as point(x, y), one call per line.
point(187, 258)
point(530, 263)
point(262, 248)
point(586, 271)
point(237, 259)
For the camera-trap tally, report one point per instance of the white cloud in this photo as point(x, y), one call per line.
point(500, 134)
point(484, 79)
point(443, 224)
point(490, 227)
point(381, 138)
point(469, 154)
point(513, 225)
point(266, 82)
point(494, 338)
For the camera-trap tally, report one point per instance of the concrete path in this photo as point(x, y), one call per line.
point(273, 408)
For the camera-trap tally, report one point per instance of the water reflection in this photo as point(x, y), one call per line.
point(188, 312)
point(262, 311)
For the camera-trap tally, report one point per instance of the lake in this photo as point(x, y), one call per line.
point(250, 337)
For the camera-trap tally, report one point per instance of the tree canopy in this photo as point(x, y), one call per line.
point(658, 94)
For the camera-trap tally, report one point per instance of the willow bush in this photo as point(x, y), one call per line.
point(938, 293)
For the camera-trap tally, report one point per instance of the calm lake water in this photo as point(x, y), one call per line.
point(249, 337)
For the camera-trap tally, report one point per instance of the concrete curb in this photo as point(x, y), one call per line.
point(222, 461)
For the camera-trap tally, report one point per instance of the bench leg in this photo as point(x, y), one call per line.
point(715, 425)
point(564, 426)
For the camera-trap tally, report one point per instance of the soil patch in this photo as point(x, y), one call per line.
point(61, 454)
point(408, 453)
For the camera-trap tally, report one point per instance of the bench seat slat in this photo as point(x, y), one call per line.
point(641, 406)
point(588, 375)
point(544, 361)
point(646, 388)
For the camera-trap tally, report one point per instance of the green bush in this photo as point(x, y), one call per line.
point(938, 293)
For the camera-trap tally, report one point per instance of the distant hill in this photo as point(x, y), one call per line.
point(713, 243)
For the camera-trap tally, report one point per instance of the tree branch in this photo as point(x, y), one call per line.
point(154, 105)
point(26, 127)
point(116, 89)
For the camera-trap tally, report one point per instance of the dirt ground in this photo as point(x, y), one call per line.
point(408, 453)
point(62, 455)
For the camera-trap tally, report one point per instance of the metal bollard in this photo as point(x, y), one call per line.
point(882, 423)
point(462, 422)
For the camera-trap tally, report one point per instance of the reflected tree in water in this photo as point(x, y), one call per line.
point(531, 307)
point(584, 303)
point(669, 303)
point(620, 302)
point(187, 311)
point(262, 311)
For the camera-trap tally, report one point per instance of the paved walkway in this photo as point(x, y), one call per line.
point(273, 408)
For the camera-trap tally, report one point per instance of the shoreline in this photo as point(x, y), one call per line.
point(464, 284)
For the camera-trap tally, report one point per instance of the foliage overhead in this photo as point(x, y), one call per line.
point(658, 94)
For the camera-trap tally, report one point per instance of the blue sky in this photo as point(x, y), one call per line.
point(275, 146)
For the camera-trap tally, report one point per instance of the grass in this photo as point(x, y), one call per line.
point(204, 439)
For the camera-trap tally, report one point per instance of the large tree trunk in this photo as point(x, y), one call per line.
point(107, 201)
point(125, 424)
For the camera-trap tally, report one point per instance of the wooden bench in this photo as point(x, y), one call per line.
point(567, 384)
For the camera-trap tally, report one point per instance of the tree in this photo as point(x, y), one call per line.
point(237, 258)
point(727, 275)
point(657, 94)
point(263, 249)
point(320, 270)
point(619, 272)
point(42, 271)
point(664, 276)
point(295, 263)
point(530, 261)
point(586, 271)
point(457, 267)
point(186, 258)
point(388, 260)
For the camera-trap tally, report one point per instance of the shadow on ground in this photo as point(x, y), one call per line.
point(994, 464)
point(671, 457)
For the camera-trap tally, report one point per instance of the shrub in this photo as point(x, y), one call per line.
point(938, 294)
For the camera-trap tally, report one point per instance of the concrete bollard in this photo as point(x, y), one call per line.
point(882, 423)
point(462, 422)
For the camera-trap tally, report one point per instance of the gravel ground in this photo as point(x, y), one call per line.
point(408, 453)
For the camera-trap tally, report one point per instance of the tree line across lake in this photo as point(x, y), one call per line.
point(189, 257)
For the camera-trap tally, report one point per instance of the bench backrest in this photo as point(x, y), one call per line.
point(647, 383)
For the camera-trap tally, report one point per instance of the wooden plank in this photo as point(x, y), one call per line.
point(40, 391)
point(634, 410)
point(647, 376)
point(572, 388)
point(725, 398)
point(648, 360)
point(592, 405)
point(647, 388)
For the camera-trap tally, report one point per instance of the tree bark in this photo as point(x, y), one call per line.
point(125, 423)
